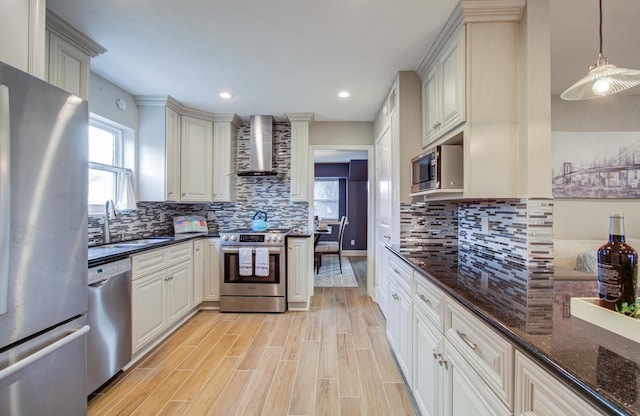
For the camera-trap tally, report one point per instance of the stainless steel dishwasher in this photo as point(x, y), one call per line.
point(109, 316)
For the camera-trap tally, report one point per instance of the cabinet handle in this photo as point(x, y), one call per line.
point(184, 194)
point(442, 361)
point(427, 301)
point(466, 340)
point(436, 354)
point(170, 192)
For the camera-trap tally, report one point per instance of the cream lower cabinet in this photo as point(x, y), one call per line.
point(427, 373)
point(212, 270)
point(199, 267)
point(162, 291)
point(399, 323)
point(541, 394)
point(464, 392)
point(299, 267)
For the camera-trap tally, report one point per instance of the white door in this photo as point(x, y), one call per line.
point(383, 216)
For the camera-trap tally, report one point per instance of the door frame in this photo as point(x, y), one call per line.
point(370, 149)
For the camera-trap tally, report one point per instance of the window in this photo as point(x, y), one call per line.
point(105, 161)
point(326, 198)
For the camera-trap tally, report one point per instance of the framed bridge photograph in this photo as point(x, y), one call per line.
point(595, 164)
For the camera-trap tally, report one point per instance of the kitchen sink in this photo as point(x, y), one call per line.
point(142, 242)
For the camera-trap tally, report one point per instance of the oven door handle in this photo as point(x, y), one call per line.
point(235, 249)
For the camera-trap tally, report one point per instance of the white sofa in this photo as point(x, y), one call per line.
point(580, 255)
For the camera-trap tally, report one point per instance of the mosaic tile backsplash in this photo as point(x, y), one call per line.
point(519, 231)
point(269, 194)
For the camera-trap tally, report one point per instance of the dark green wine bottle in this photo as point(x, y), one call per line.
point(617, 267)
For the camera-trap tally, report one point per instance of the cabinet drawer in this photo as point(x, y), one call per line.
point(145, 263)
point(429, 299)
point(402, 273)
point(178, 253)
point(490, 355)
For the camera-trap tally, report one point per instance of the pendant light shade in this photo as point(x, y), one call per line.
point(602, 79)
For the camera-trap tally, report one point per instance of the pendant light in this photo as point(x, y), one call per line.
point(602, 79)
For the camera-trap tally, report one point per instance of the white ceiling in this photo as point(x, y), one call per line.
point(286, 56)
point(339, 156)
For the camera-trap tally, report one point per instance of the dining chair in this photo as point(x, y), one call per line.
point(331, 247)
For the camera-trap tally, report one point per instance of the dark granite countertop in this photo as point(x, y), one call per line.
point(99, 255)
point(531, 307)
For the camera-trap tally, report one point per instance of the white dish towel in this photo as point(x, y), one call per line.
point(262, 261)
point(245, 260)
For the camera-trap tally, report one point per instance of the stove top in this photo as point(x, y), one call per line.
point(247, 236)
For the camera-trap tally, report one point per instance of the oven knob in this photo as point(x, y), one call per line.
point(280, 238)
point(268, 238)
point(233, 238)
point(225, 238)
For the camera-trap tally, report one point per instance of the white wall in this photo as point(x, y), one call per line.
point(341, 133)
point(589, 218)
point(104, 95)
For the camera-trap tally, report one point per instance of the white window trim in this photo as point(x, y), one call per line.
point(119, 133)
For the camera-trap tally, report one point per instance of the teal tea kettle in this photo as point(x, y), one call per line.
point(259, 221)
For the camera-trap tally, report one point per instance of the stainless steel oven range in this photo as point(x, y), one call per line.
point(253, 271)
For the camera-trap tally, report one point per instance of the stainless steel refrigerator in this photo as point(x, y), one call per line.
point(43, 247)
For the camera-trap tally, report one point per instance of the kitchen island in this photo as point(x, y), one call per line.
point(530, 308)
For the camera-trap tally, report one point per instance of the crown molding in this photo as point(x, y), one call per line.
point(493, 10)
point(55, 24)
point(451, 25)
point(309, 117)
point(159, 101)
point(227, 118)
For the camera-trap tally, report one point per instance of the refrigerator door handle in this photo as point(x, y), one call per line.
point(27, 361)
point(5, 197)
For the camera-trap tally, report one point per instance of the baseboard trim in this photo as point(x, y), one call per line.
point(354, 253)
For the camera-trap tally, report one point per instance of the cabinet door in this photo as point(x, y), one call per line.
point(196, 152)
point(403, 353)
point(427, 376)
point(451, 98)
point(383, 218)
point(464, 392)
point(148, 308)
point(224, 154)
point(212, 271)
point(198, 271)
point(172, 143)
point(539, 393)
point(68, 67)
point(299, 161)
point(393, 313)
point(297, 266)
point(179, 291)
point(431, 107)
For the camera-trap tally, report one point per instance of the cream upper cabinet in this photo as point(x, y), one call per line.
point(225, 138)
point(196, 156)
point(177, 148)
point(69, 54)
point(443, 93)
point(172, 171)
point(158, 148)
point(300, 181)
point(470, 95)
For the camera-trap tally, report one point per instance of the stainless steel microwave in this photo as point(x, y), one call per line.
point(440, 167)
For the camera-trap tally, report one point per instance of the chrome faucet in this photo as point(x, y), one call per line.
point(109, 214)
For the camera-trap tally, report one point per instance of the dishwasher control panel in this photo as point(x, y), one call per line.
point(105, 271)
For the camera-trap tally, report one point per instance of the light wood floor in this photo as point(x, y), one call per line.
point(332, 360)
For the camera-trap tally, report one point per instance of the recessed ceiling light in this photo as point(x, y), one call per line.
point(344, 94)
point(226, 95)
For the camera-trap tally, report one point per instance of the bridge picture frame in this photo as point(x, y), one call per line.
point(595, 164)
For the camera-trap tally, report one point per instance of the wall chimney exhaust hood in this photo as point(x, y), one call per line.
point(260, 148)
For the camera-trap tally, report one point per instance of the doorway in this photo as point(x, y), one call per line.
point(341, 162)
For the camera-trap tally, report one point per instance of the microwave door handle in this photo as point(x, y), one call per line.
point(5, 197)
